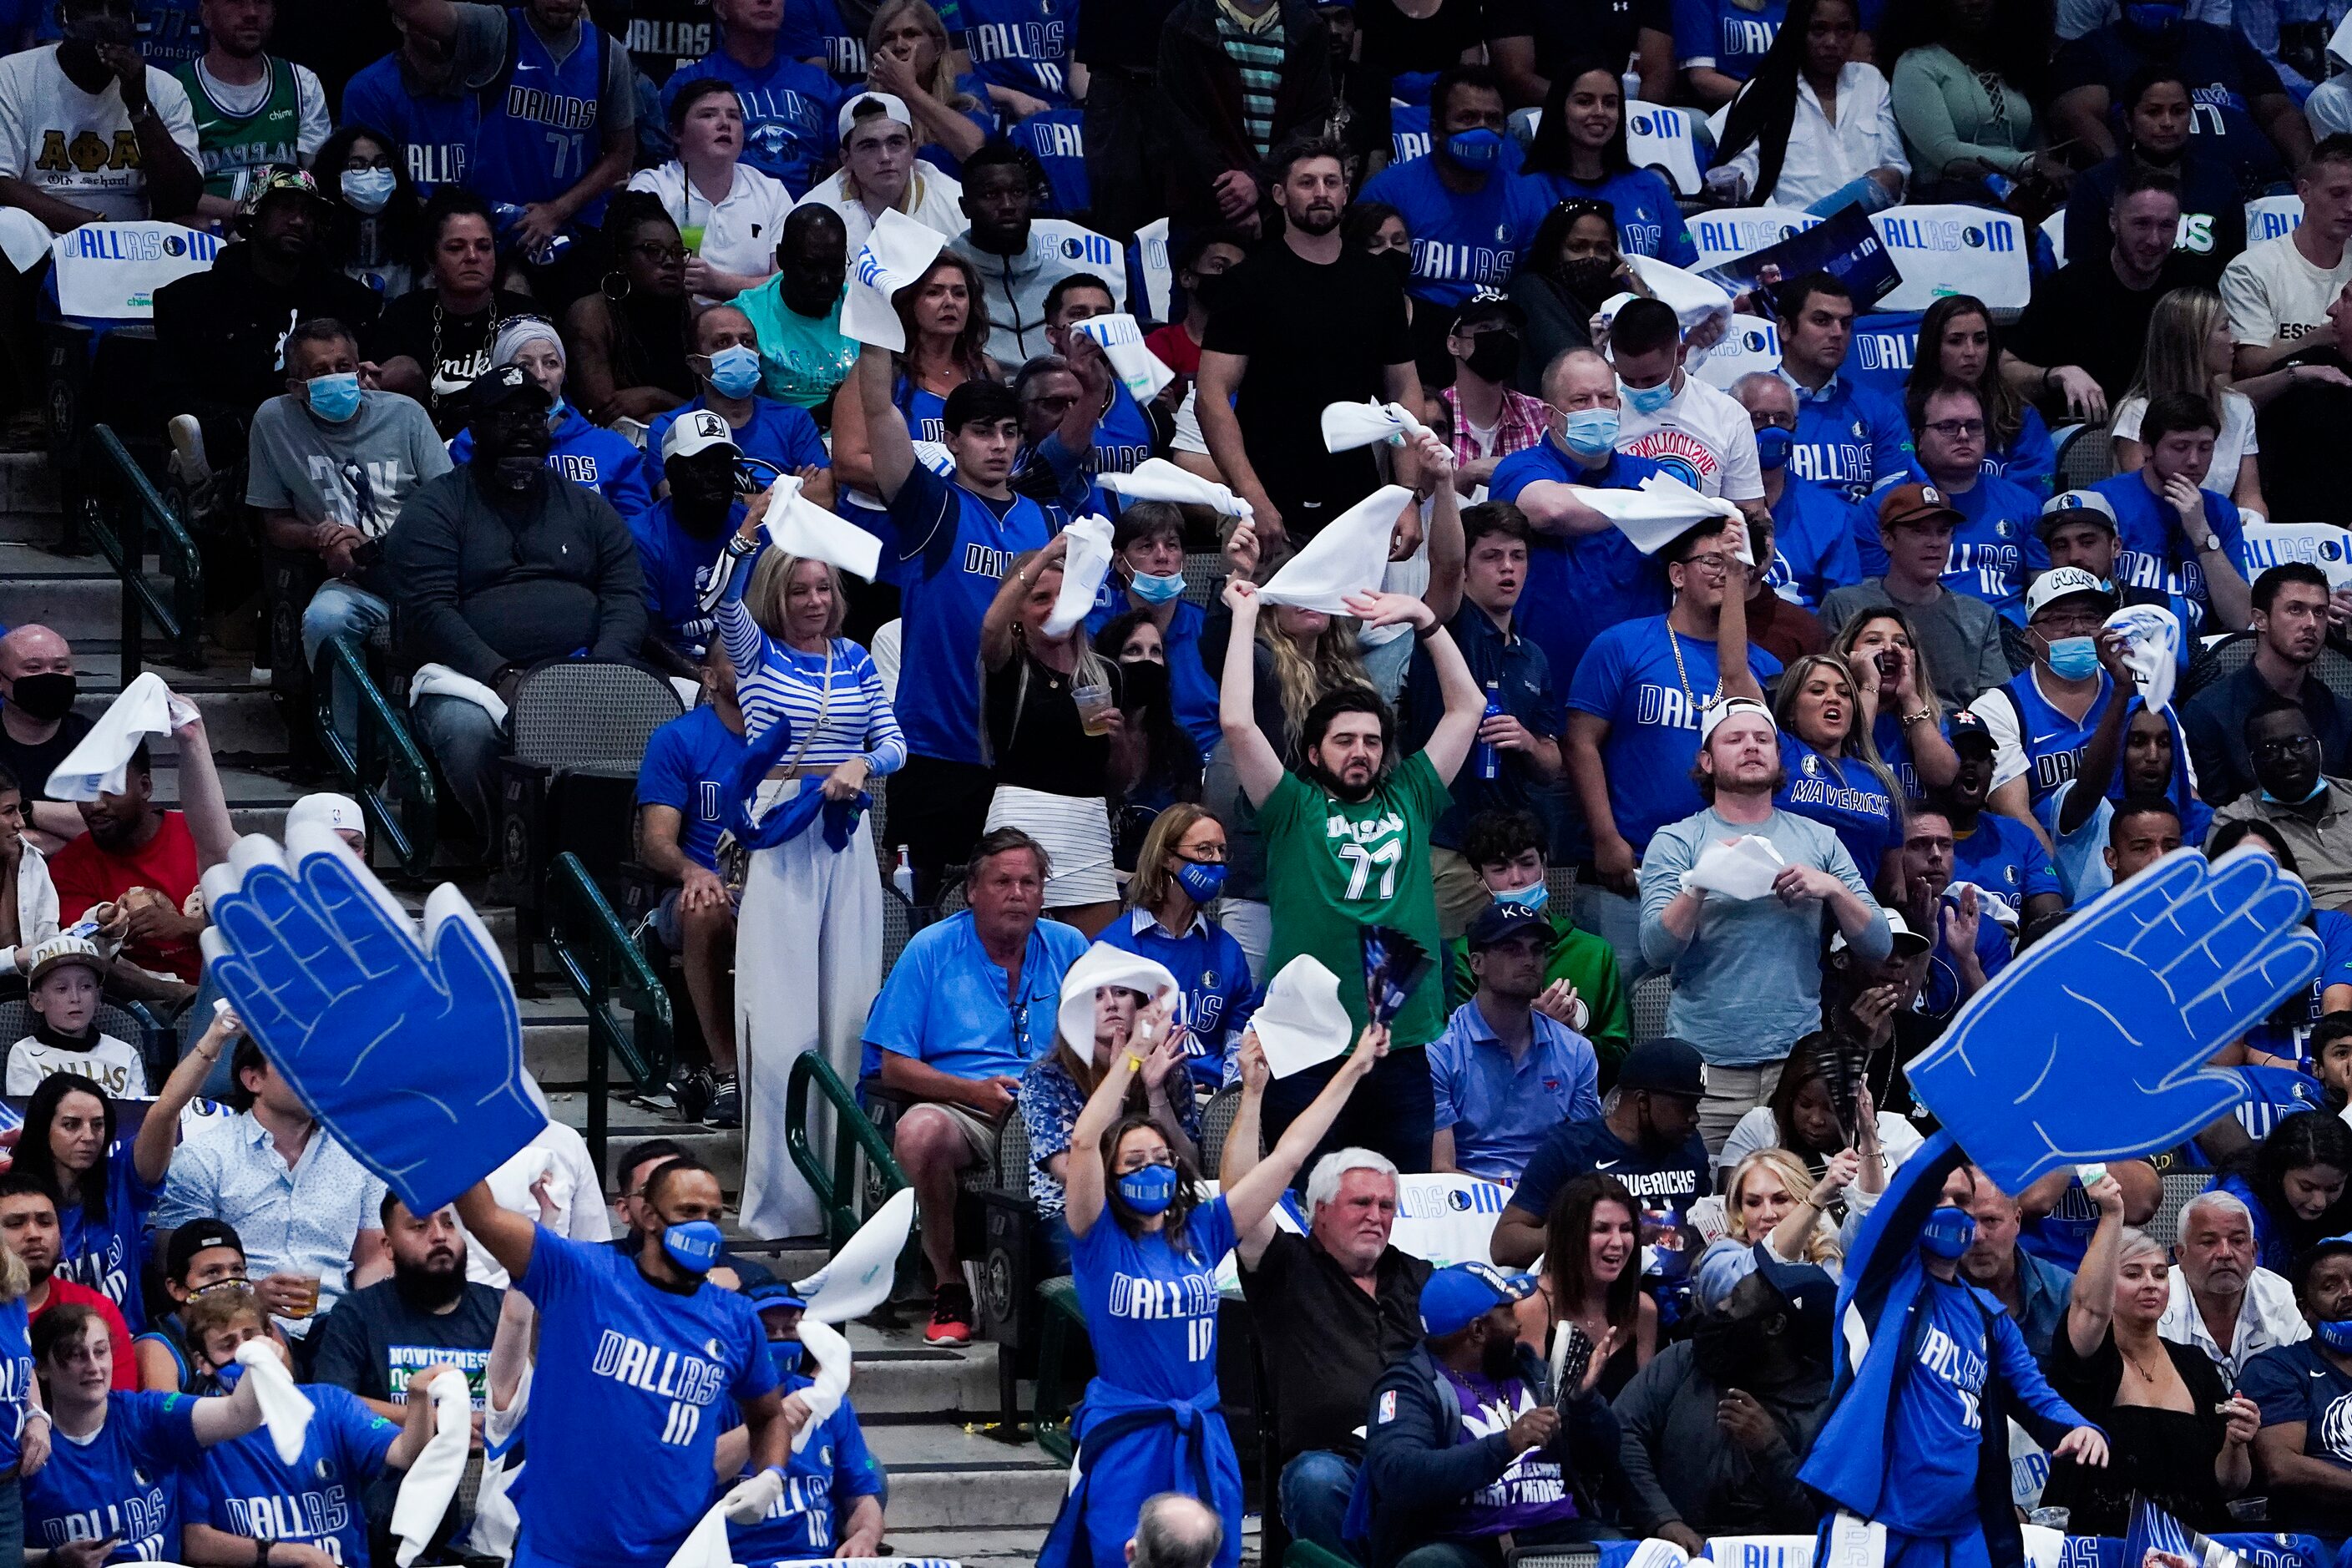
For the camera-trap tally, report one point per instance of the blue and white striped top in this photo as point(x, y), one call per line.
point(773, 681)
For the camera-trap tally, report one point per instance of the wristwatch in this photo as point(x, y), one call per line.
point(2212, 543)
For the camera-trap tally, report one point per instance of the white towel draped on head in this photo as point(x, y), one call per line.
point(1350, 556)
point(101, 764)
point(898, 252)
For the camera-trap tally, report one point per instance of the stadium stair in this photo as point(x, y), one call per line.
point(956, 1490)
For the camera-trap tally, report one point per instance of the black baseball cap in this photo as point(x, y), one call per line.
point(1500, 922)
point(198, 1235)
point(495, 389)
point(1663, 1065)
point(1488, 306)
point(1967, 726)
point(1812, 1296)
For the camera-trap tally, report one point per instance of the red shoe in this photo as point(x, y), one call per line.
point(951, 1314)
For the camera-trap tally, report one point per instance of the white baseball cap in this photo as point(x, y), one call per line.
point(893, 107)
point(698, 430)
point(1718, 712)
point(2064, 501)
point(339, 812)
point(2060, 583)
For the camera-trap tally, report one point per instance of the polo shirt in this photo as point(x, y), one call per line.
point(1499, 1109)
point(1327, 1341)
point(948, 1005)
point(1214, 995)
point(2318, 835)
point(1579, 585)
point(2215, 723)
point(1510, 667)
point(1848, 437)
point(2267, 1318)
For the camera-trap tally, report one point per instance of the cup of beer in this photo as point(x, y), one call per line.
point(1094, 708)
point(306, 1301)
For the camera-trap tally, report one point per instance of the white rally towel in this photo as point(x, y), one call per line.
point(1347, 426)
point(1693, 298)
point(99, 765)
point(1661, 511)
point(432, 1482)
point(705, 1545)
point(1083, 570)
point(831, 1352)
point(858, 1279)
point(898, 252)
point(440, 680)
point(799, 527)
point(1301, 1022)
point(285, 1409)
point(2152, 634)
point(1156, 479)
point(1139, 370)
point(1744, 868)
point(1103, 964)
point(1350, 556)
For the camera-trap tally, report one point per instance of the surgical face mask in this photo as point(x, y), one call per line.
point(1494, 356)
point(333, 397)
point(1157, 590)
point(1150, 1190)
point(1480, 149)
point(1947, 1234)
point(1202, 884)
point(2074, 659)
point(1588, 432)
point(557, 416)
point(734, 370)
point(1647, 399)
point(1774, 446)
point(2335, 1336)
point(693, 1245)
point(1534, 895)
point(368, 189)
point(2154, 16)
point(45, 696)
point(2308, 796)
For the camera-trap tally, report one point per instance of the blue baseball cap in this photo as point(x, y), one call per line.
point(1459, 1296)
point(1499, 923)
point(774, 1296)
point(1963, 725)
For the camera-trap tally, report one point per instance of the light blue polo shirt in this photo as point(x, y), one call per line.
point(948, 1007)
point(1500, 1110)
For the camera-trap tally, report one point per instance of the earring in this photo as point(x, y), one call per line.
point(604, 286)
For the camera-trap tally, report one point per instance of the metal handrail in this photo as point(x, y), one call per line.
point(408, 819)
point(599, 961)
point(853, 1133)
point(122, 534)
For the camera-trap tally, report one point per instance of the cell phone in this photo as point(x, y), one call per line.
point(1890, 664)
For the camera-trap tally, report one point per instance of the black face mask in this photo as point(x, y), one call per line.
point(701, 494)
point(1143, 683)
point(1208, 288)
point(47, 697)
point(1494, 356)
point(1592, 279)
point(511, 454)
point(1398, 262)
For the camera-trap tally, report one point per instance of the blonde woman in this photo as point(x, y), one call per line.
point(2190, 350)
point(1834, 775)
point(1899, 710)
point(1773, 1199)
point(809, 939)
point(907, 56)
point(24, 1422)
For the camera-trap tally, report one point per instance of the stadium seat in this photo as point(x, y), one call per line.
point(2224, 658)
point(1204, 577)
point(1216, 1124)
point(1647, 1006)
point(2179, 1186)
point(2087, 457)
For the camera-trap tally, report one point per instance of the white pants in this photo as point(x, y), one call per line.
point(808, 961)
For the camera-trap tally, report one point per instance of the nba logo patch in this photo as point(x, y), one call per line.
point(1388, 1406)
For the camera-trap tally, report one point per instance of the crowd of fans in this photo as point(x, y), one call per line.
point(526, 316)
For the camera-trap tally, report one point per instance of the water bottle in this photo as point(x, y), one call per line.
point(1490, 761)
point(508, 214)
point(902, 876)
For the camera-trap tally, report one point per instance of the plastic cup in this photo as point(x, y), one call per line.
point(692, 233)
point(1094, 708)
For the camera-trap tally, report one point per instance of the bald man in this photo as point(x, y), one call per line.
point(1174, 1530)
point(38, 727)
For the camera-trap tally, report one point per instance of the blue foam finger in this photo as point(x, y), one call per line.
point(379, 945)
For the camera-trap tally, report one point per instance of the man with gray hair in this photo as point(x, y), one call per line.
point(1814, 541)
point(1175, 1531)
point(2222, 1302)
point(1333, 1308)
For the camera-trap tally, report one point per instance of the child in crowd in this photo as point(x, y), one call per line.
point(67, 975)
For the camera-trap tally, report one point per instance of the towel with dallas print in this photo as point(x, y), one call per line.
point(1393, 965)
point(2153, 1530)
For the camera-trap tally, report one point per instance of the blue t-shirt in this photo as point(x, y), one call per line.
point(776, 433)
point(1997, 545)
point(108, 1255)
point(1937, 1434)
point(676, 569)
point(1648, 223)
point(1214, 995)
point(822, 1482)
point(2005, 859)
point(816, 30)
point(434, 133)
point(1577, 587)
point(2156, 555)
point(243, 1487)
point(123, 1482)
point(945, 1004)
point(1652, 703)
point(954, 547)
point(627, 1377)
point(1723, 37)
point(1151, 1311)
point(1939, 993)
point(788, 115)
point(1020, 44)
point(16, 1377)
point(686, 765)
point(1887, 735)
point(2224, 73)
point(2335, 933)
point(1848, 437)
point(591, 456)
point(1843, 795)
point(1461, 241)
point(1816, 535)
point(2031, 459)
point(1057, 139)
point(2296, 1384)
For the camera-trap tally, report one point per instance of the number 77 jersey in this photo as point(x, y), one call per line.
point(1335, 865)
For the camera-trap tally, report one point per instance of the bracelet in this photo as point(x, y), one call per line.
point(1920, 717)
point(1134, 1062)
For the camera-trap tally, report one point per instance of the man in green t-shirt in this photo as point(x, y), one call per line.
point(1347, 846)
point(1507, 849)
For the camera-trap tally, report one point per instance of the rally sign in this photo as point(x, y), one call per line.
point(2325, 545)
point(110, 271)
point(1665, 140)
point(1727, 234)
point(1944, 250)
point(2267, 218)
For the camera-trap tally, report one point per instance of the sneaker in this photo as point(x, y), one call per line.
point(951, 1315)
point(726, 1107)
point(188, 449)
point(691, 1094)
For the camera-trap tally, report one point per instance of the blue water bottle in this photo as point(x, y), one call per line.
point(1490, 761)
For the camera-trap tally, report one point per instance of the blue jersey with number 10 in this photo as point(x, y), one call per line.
point(1152, 1311)
point(538, 132)
point(1020, 44)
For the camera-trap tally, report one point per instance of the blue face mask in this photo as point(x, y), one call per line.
point(734, 370)
point(2336, 1336)
point(1588, 432)
point(693, 1246)
point(1480, 149)
point(1154, 590)
point(1648, 399)
point(368, 189)
point(2155, 17)
point(333, 397)
point(2309, 795)
point(1201, 883)
point(1774, 446)
point(1534, 895)
point(1150, 1190)
point(2074, 659)
point(784, 1355)
point(1947, 1234)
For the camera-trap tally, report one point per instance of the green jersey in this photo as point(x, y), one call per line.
point(1334, 867)
point(235, 147)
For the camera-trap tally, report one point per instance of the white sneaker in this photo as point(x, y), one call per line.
point(188, 449)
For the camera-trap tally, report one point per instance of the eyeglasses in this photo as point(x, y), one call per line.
point(2080, 623)
point(1214, 856)
point(2277, 751)
point(1715, 563)
point(654, 250)
point(1956, 429)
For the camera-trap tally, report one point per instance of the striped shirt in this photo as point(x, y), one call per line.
point(1256, 45)
point(836, 694)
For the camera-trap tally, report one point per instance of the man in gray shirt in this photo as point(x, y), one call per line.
point(1748, 972)
point(330, 464)
point(1959, 636)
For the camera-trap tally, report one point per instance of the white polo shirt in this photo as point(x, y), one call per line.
point(740, 232)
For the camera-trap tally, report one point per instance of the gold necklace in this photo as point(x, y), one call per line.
point(1674, 641)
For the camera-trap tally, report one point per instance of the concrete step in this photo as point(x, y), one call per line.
point(997, 1548)
point(901, 1380)
point(627, 1122)
point(84, 601)
point(943, 1477)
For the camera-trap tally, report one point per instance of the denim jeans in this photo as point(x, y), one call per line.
point(342, 609)
point(1315, 1488)
point(465, 746)
point(12, 1518)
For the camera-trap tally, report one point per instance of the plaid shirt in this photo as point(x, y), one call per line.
point(1520, 425)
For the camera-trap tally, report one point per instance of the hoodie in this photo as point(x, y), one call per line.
point(1015, 286)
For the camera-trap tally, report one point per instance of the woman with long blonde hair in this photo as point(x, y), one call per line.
point(2190, 351)
point(1773, 1199)
point(1833, 773)
point(1899, 709)
point(907, 56)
